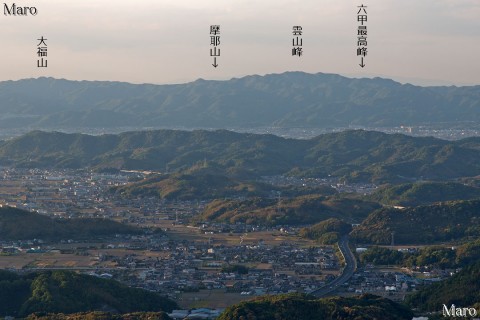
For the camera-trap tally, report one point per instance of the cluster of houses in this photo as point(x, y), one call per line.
point(390, 283)
point(335, 183)
point(184, 266)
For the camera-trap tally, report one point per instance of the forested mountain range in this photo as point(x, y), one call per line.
point(291, 99)
point(354, 155)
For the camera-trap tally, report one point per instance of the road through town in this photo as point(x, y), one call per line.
point(348, 271)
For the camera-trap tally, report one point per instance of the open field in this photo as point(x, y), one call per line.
point(216, 298)
point(183, 232)
point(89, 259)
point(46, 260)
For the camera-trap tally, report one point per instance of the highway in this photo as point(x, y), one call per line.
point(348, 271)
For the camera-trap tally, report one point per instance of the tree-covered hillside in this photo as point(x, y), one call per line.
point(99, 315)
point(18, 224)
point(439, 256)
point(295, 211)
point(444, 222)
point(423, 193)
point(463, 290)
point(294, 306)
point(207, 186)
point(351, 155)
point(69, 292)
point(327, 232)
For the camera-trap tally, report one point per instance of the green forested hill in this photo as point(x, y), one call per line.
point(440, 256)
point(463, 290)
point(69, 292)
point(207, 186)
point(327, 232)
point(192, 186)
point(422, 193)
point(18, 224)
point(444, 222)
point(296, 211)
point(288, 307)
point(354, 155)
point(98, 315)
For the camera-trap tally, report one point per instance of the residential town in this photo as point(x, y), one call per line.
point(185, 259)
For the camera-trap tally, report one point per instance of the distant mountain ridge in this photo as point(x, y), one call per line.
point(291, 99)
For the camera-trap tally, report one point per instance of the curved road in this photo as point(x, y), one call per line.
point(348, 271)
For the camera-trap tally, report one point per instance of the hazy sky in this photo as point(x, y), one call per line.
point(168, 41)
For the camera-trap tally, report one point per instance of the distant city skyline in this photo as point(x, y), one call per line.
point(428, 42)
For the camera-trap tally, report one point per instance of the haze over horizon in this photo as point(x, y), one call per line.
point(162, 42)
